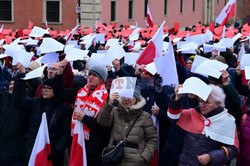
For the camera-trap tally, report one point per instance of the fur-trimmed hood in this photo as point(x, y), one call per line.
point(133, 111)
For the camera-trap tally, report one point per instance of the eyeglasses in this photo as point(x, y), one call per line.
point(47, 87)
point(52, 68)
point(189, 63)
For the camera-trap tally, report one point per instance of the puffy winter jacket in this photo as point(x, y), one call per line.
point(142, 138)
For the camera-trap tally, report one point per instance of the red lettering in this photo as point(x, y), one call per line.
point(119, 83)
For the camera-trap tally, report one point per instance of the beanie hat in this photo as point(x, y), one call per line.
point(137, 92)
point(50, 82)
point(100, 72)
point(33, 65)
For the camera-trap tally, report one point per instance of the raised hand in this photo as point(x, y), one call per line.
point(112, 97)
point(20, 67)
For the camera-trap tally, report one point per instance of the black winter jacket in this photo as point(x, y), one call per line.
point(13, 124)
point(58, 119)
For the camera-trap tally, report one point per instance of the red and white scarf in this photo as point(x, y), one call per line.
point(90, 105)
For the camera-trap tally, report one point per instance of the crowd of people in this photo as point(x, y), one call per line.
point(191, 130)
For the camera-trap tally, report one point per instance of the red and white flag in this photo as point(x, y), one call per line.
point(31, 25)
point(78, 152)
point(71, 33)
point(46, 25)
point(227, 12)
point(153, 49)
point(149, 18)
point(41, 149)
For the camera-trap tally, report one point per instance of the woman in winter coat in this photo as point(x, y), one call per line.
point(58, 118)
point(211, 135)
point(142, 139)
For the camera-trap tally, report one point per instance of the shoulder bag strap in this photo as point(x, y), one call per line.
point(132, 126)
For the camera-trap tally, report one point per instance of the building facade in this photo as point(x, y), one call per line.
point(61, 14)
point(186, 12)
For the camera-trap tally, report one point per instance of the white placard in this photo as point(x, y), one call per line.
point(197, 87)
point(151, 68)
point(247, 72)
point(131, 58)
point(125, 86)
point(35, 73)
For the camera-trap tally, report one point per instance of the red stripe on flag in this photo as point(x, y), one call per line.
point(147, 55)
point(69, 37)
point(76, 154)
point(42, 157)
point(150, 22)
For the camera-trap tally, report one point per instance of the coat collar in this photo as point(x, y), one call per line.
point(133, 111)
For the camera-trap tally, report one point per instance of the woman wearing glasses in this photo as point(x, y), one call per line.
point(211, 135)
point(58, 118)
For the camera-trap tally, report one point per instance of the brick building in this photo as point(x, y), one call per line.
point(61, 14)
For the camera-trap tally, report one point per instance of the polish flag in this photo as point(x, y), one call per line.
point(41, 149)
point(153, 49)
point(78, 153)
point(227, 12)
point(149, 18)
point(31, 25)
point(46, 25)
point(71, 33)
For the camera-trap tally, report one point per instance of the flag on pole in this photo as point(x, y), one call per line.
point(153, 49)
point(71, 33)
point(46, 25)
point(31, 25)
point(149, 18)
point(41, 149)
point(78, 153)
point(227, 12)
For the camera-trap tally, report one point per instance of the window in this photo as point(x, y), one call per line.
point(130, 9)
point(194, 5)
point(181, 7)
point(145, 7)
point(218, 1)
point(6, 10)
point(165, 7)
point(113, 10)
point(225, 2)
point(53, 11)
point(240, 3)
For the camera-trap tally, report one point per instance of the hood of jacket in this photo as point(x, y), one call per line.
point(133, 111)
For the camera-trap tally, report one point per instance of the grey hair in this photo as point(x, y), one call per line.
point(217, 95)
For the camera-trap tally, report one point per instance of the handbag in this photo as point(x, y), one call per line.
point(113, 156)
